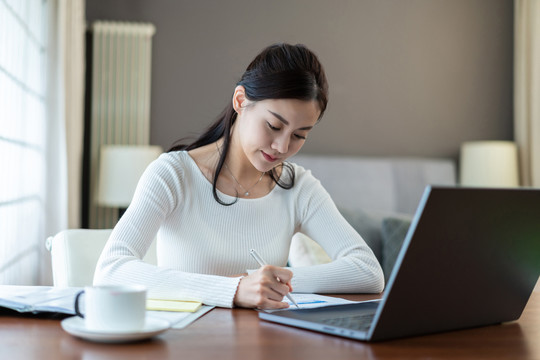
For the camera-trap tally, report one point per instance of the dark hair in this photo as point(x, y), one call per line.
point(280, 71)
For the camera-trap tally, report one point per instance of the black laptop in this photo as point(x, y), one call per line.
point(471, 258)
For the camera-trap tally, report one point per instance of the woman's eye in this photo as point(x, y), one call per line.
point(272, 127)
point(300, 137)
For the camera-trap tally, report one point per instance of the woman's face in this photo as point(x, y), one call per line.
point(270, 131)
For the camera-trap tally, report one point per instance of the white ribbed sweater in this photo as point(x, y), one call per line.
point(201, 244)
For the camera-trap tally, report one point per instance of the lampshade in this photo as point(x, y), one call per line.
point(489, 164)
point(121, 166)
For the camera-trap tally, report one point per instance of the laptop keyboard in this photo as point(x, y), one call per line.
point(358, 322)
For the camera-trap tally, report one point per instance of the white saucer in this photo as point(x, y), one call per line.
point(153, 326)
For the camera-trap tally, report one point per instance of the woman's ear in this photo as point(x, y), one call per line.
point(239, 100)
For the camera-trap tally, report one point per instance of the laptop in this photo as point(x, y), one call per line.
point(471, 258)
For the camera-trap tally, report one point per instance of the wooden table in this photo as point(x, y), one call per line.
point(239, 334)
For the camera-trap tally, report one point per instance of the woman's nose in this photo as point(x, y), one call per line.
point(281, 144)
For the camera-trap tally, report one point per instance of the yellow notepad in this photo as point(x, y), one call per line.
point(172, 305)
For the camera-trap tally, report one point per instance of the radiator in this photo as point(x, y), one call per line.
point(120, 98)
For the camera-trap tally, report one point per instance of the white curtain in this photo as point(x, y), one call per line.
point(37, 83)
point(527, 88)
point(69, 67)
point(66, 115)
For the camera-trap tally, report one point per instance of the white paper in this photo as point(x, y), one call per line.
point(310, 301)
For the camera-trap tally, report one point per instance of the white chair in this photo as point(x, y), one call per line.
point(75, 252)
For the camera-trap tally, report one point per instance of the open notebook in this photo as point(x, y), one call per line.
point(43, 300)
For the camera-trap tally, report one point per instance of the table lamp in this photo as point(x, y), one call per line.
point(121, 166)
point(489, 164)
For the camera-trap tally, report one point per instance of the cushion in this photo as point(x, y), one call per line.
point(305, 252)
point(393, 232)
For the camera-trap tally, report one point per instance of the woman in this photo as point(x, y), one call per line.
point(211, 201)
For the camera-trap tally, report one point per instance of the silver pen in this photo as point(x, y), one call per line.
point(261, 262)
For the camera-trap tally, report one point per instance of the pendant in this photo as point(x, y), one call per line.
point(246, 193)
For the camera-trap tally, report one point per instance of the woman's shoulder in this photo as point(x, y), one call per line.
point(172, 163)
point(303, 177)
point(308, 191)
point(174, 158)
point(300, 172)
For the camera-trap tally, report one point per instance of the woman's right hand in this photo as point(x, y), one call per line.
point(264, 289)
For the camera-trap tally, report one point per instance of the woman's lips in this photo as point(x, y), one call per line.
point(269, 157)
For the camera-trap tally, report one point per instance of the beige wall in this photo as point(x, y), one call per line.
point(407, 77)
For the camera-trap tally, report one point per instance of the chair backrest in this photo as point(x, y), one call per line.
point(75, 252)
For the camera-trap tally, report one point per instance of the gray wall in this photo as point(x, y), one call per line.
point(407, 77)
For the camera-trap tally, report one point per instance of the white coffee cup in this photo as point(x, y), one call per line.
point(113, 308)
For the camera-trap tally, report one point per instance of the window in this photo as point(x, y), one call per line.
point(23, 134)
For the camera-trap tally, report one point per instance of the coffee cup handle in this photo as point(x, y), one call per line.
point(77, 310)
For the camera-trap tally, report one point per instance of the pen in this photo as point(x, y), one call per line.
point(261, 262)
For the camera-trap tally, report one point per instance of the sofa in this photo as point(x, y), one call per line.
point(378, 196)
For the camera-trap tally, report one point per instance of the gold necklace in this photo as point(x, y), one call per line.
point(246, 193)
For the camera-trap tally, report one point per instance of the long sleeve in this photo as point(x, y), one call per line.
point(354, 268)
point(159, 193)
